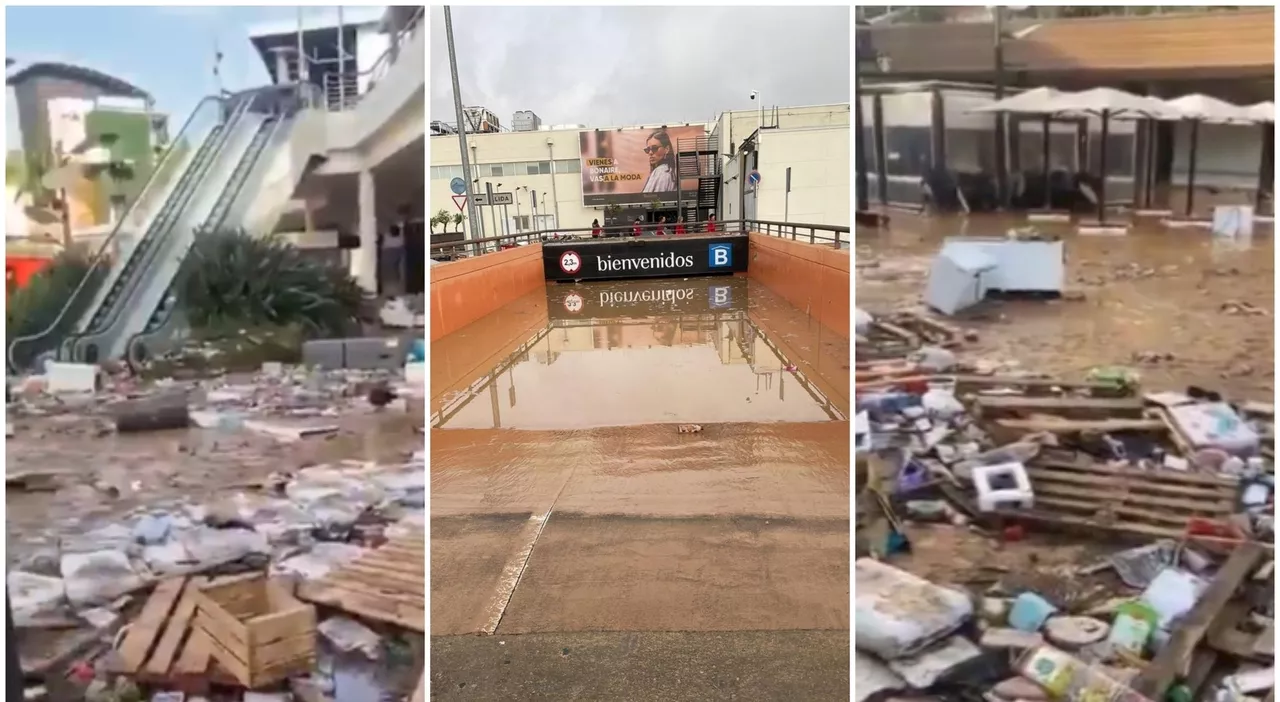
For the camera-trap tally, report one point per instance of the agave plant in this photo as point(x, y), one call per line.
point(234, 280)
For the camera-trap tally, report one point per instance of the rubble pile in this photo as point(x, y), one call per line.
point(110, 601)
point(1028, 538)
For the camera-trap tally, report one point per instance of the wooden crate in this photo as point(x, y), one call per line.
point(160, 648)
point(257, 630)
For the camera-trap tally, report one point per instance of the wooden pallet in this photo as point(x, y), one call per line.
point(1125, 500)
point(386, 584)
point(989, 407)
point(160, 646)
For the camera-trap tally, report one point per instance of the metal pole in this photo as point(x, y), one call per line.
point(506, 221)
point(518, 223)
point(555, 197)
point(1002, 176)
point(859, 144)
point(1191, 166)
point(342, 64)
point(472, 215)
point(302, 51)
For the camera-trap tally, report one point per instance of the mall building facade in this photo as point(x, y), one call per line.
point(565, 178)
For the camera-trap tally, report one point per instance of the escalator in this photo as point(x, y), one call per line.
point(115, 266)
point(127, 305)
point(166, 321)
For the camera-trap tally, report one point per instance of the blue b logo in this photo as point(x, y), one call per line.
point(721, 255)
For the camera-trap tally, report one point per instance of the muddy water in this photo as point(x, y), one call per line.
point(557, 456)
point(1153, 291)
point(673, 353)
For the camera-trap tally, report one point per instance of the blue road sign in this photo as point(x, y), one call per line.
point(721, 255)
point(458, 186)
point(753, 177)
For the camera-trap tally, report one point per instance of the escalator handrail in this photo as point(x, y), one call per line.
point(207, 227)
point(113, 313)
point(107, 245)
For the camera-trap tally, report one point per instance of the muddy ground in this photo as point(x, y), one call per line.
point(1152, 291)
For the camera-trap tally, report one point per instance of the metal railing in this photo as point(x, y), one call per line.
point(833, 236)
point(342, 89)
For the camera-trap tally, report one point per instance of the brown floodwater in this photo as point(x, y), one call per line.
point(564, 497)
point(683, 352)
point(1146, 296)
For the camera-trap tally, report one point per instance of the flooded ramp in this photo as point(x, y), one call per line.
point(626, 353)
point(566, 502)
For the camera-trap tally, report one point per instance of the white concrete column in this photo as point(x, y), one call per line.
point(364, 264)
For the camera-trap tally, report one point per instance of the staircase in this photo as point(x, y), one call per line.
point(699, 157)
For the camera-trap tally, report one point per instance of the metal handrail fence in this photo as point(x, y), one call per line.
point(834, 236)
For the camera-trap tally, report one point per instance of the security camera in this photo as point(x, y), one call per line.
point(754, 93)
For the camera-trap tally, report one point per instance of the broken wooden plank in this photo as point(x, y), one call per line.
point(175, 631)
point(143, 631)
point(1059, 425)
point(1059, 405)
point(1174, 658)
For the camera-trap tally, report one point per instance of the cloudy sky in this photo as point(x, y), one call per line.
point(618, 66)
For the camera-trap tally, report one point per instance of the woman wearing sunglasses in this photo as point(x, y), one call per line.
point(662, 163)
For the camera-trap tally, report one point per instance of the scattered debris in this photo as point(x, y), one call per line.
point(155, 524)
point(1026, 490)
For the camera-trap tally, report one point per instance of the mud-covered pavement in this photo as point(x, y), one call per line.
point(1152, 292)
point(83, 475)
point(291, 471)
point(569, 511)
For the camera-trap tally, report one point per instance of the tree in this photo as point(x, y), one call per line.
point(457, 220)
point(439, 219)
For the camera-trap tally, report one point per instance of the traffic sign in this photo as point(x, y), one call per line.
point(503, 199)
point(753, 177)
point(481, 199)
point(458, 186)
point(460, 201)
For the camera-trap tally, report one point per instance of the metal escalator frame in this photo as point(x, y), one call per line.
point(150, 328)
point(158, 238)
point(183, 185)
point(107, 245)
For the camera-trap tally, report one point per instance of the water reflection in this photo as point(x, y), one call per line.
point(690, 368)
point(640, 352)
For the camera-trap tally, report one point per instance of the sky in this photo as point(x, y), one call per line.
point(167, 51)
point(618, 66)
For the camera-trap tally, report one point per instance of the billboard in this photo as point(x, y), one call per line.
point(633, 166)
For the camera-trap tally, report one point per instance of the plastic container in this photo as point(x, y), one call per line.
point(1030, 611)
point(887, 402)
point(1132, 629)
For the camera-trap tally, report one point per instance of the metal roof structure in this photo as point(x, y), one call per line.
point(81, 74)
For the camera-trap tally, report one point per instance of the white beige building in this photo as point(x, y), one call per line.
point(813, 141)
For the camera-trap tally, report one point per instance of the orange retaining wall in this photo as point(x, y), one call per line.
point(467, 290)
point(814, 279)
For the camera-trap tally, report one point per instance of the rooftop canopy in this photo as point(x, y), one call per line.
point(80, 74)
